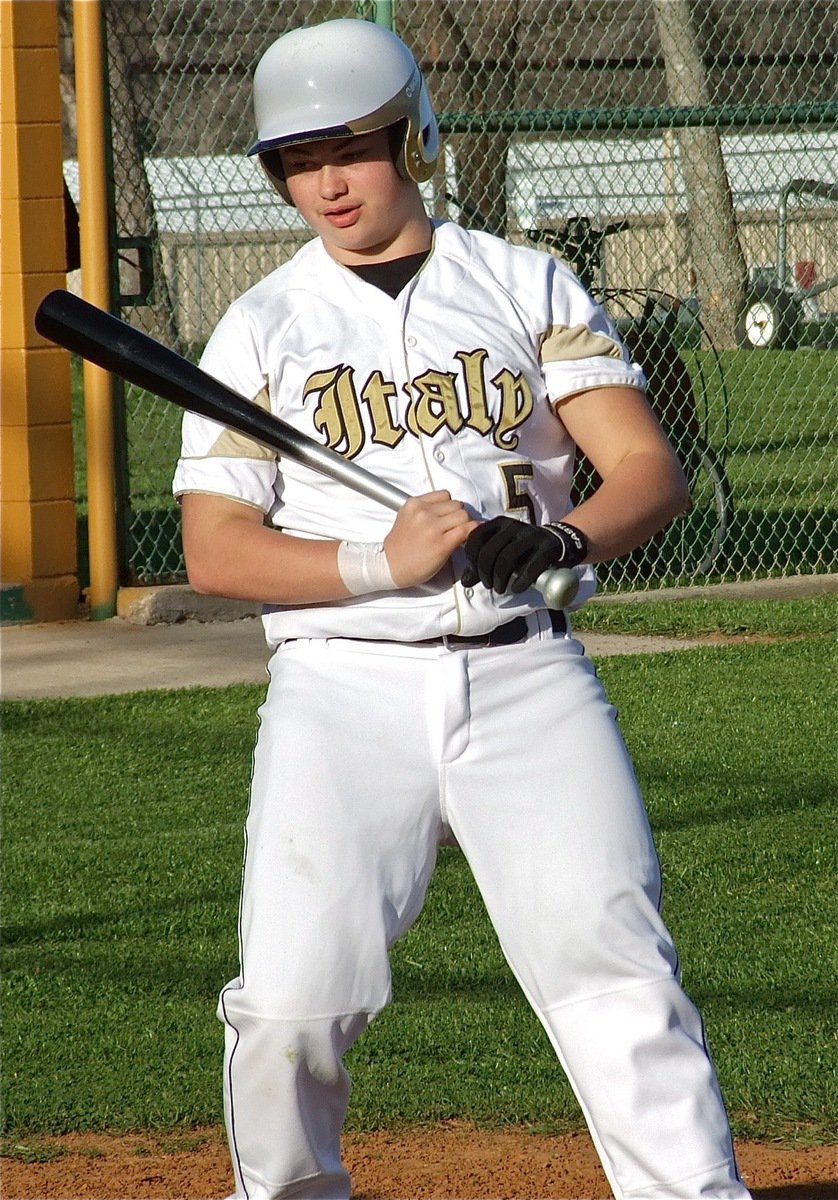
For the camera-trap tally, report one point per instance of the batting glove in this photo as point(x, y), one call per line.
point(508, 556)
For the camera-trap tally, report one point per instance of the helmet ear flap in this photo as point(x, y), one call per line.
point(432, 142)
point(420, 148)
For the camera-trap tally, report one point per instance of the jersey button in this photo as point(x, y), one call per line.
point(411, 341)
point(468, 593)
point(439, 456)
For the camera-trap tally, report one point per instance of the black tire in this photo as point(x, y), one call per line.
point(769, 320)
point(693, 541)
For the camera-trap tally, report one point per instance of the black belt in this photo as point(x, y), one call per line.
point(505, 635)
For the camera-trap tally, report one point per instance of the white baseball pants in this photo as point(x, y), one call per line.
point(369, 756)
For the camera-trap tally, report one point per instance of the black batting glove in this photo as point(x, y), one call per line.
point(508, 556)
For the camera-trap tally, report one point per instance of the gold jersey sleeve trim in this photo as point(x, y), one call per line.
point(562, 343)
point(231, 444)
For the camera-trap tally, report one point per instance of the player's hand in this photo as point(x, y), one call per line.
point(426, 532)
point(508, 556)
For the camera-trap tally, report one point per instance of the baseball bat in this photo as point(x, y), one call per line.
point(118, 347)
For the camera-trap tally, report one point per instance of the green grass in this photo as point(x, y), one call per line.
point(148, 446)
point(152, 432)
point(122, 854)
point(770, 416)
point(121, 869)
point(782, 463)
point(692, 618)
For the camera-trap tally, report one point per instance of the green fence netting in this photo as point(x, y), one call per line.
point(683, 157)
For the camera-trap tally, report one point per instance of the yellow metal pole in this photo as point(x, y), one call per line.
point(88, 29)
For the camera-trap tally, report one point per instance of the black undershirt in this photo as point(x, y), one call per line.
point(392, 276)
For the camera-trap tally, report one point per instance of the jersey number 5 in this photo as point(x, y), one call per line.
point(518, 498)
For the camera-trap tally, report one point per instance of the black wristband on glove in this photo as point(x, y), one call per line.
point(508, 556)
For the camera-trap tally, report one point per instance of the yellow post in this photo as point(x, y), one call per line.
point(88, 31)
point(37, 510)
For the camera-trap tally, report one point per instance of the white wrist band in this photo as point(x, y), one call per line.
point(364, 568)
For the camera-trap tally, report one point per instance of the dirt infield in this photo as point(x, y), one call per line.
point(453, 1161)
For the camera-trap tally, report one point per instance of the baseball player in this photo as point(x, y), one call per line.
point(420, 691)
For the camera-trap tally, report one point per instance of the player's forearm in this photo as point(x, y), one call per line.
point(231, 552)
point(243, 560)
point(637, 499)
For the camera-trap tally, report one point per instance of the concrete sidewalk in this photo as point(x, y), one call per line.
point(187, 641)
point(93, 658)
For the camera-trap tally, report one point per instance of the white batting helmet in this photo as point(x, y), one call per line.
point(337, 79)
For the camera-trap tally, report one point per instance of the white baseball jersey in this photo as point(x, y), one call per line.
point(452, 385)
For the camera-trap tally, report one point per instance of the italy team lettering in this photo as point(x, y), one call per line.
point(494, 407)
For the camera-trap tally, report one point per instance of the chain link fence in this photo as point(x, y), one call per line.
point(683, 157)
